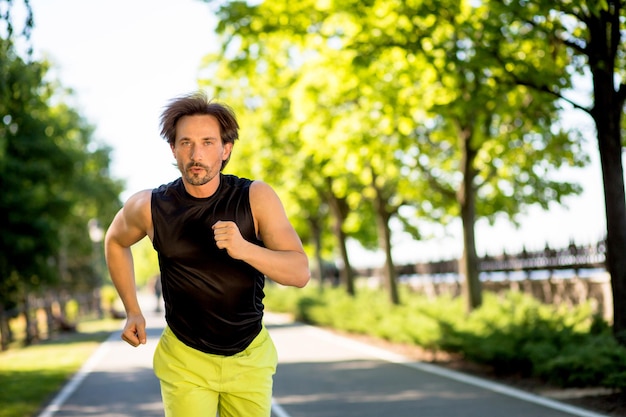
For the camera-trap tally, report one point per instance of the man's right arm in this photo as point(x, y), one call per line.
point(131, 224)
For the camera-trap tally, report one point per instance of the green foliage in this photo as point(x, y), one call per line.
point(416, 322)
point(72, 310)
point(516, 333)
point(393, 111)
point(597, 361)
point(513, 333)
point(146, 262)
point(54, 179)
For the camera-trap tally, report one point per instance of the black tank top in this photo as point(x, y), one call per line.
point(213, 303)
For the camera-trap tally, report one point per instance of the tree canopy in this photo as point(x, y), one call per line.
point(405, 112)
point(54, 178)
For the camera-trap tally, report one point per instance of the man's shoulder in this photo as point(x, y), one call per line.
point(169, 190)
point(168, 186)
point(236, 181)
point(262, 192)
point(137, 209)
point(139, 198)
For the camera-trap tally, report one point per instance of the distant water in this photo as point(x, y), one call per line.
point(510, 276)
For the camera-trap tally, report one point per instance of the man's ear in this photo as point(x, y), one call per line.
point(228, 148)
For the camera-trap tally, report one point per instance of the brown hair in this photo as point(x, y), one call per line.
point(198, 104)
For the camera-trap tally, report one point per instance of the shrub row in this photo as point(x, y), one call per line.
point(513, 333)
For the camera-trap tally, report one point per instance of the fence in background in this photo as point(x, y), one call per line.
point(569, 276)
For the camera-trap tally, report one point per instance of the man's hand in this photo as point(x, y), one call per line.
point(134, 332)
point(228, 236)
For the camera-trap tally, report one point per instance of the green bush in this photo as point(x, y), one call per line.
point(513, 333)
point(596, 361)
point(281, 299)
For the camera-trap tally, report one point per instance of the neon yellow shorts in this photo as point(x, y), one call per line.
point(195, 383)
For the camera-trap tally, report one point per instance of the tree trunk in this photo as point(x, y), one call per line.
point(30, 320)
point(468, 264)
point(346, 273)
point(50, 321)
point(337, 208)
point(5, 330)
point(389, 271)
point(468, 267)
point(384, 241)
point(610, 147)
point(317, 243)
point(607, 112)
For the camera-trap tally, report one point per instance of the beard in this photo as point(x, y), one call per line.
point(197, 178)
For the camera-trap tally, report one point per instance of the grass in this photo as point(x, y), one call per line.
point(30, 376)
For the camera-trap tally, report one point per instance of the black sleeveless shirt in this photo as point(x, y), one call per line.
point(213, 303)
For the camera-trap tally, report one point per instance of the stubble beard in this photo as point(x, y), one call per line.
point(195, 178)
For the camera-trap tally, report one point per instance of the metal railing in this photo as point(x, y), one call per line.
point(572, 257)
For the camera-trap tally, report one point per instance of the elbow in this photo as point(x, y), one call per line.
point(291, 279)
point(300, 276)
point(296, 274)
point(304, 276)
point(302, 280)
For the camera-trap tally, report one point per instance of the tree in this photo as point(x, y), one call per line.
point(427, 71)
point(356, 159)
point(498, 142)
point(278, 153)
point(589, 33)
point(54, 178)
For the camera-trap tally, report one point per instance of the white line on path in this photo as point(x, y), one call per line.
point(55, 405)
point(277, 410)
point(69, 388)
point(457, 376)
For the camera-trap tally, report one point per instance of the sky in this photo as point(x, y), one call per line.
point(125, 59)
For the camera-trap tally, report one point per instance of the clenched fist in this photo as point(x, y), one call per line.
point(134, 332)
point(228, 236)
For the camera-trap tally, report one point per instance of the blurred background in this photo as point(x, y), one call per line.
point(398, 134)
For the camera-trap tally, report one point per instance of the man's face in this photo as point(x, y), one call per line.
point(198, 149)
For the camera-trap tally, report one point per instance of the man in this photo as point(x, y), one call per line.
point(217, 237)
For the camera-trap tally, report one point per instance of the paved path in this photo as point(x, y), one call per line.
point(117, 381)
point(319, 375)
point(324, 375)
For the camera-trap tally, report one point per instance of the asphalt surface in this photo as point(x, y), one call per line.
point(319, 375)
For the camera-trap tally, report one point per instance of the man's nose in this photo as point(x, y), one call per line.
point(195, 153)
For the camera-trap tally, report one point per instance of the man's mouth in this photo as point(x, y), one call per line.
point(195, 168)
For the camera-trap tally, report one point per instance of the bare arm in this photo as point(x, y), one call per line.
point(131, 224)
point(282, 259)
